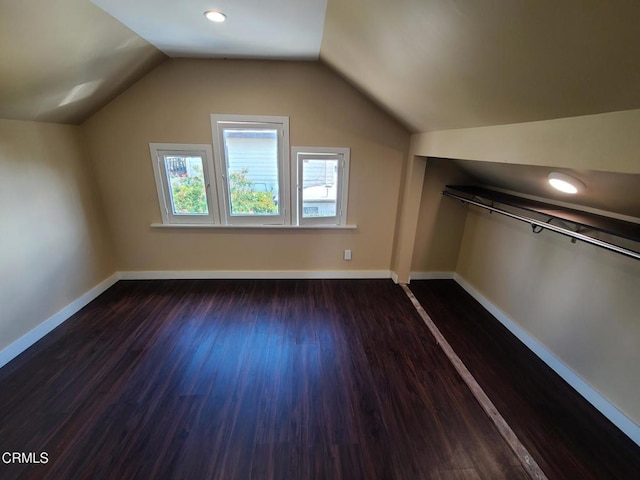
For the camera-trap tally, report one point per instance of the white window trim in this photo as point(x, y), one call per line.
point(256, 227)
point(342, 199)
point(281, 123)
point(162, 184)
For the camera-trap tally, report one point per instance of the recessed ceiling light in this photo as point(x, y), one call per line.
point(215, 16)
point(565, 183)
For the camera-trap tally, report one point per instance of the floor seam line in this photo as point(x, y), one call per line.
point(525, 458)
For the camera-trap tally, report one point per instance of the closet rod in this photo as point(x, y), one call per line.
point(548, 226)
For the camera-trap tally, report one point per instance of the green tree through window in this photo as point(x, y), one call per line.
point(189, 196)
point(245, 200)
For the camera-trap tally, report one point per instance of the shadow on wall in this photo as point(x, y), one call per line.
point(441, 220)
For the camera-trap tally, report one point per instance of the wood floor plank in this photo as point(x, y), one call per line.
point(563, 432)
point(282, 379)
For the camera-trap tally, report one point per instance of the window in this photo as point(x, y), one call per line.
point(253, 179)
point(183, 179)
point(252, 158)
point(321, 177)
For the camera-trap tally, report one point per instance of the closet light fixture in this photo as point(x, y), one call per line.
point(565, 183)
point(215, 16)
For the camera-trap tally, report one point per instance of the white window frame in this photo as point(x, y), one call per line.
point(281, 124)
point(342, 154)
point(158, 150)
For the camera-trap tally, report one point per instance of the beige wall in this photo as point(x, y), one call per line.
point(407, 218)
point(441, 220)
point(173, 104)
point(608, 142)
point(53, 246)
point(578, 300)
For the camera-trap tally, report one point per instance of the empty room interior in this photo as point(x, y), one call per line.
point(327, 239)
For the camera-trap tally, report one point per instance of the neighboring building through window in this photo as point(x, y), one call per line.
point(252, 180)
point(183, 175)
point(321, 176)
point(252, 158)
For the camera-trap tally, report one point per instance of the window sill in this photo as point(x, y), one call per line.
point(260, 227)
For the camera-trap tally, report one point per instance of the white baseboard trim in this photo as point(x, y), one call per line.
point(588, 392)
point(32, 336)
point(431, 275)
point(603, 405)
point(21, 344)
point(394, 277)
point(254, 274)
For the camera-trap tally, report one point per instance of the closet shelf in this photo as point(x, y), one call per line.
point(583, 221)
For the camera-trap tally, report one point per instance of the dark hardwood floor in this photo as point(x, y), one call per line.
point(568, 437)
point(318, 379)
point(284, 379)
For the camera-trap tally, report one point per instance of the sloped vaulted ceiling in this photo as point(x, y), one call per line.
point(445, 64)
point(434, 64)
point(60, 61)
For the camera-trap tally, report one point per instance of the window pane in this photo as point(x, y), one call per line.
point(319, 188)
point(252, 169)
point(186, 177)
